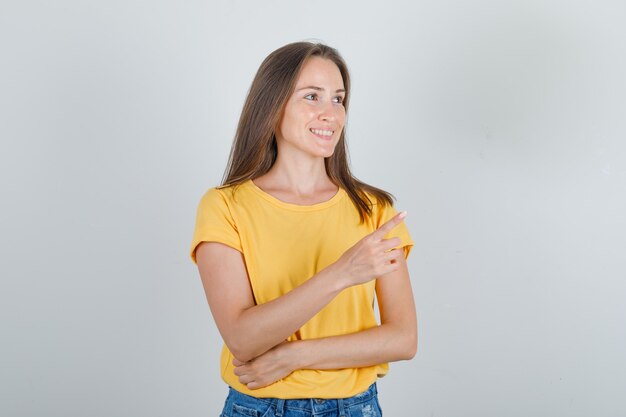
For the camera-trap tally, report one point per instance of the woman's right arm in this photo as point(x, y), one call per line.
point(250, 330)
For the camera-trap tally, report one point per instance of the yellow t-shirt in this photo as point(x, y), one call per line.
point(283, 245)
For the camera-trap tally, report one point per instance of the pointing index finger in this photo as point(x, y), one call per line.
point(382, 231)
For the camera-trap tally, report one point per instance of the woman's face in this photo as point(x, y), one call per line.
point(314, 115)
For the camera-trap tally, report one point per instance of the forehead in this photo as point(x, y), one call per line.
point(320, 72)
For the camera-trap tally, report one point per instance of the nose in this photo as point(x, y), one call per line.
point(328, 112)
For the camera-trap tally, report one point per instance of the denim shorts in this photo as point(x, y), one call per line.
point(364, 404)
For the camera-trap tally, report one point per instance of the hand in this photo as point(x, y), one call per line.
point(268, 368)
point(370, 257)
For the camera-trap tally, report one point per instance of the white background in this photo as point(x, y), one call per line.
point(499, 125)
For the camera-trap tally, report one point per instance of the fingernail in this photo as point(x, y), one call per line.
point(402, 215)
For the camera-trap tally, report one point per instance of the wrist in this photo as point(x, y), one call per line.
point(296, 355)
point(336, 277)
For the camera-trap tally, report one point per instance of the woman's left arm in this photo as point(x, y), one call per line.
point(393, 340)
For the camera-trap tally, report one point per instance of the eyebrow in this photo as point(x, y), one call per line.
point(313, 87)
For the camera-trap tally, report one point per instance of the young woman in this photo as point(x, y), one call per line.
point(292, 248)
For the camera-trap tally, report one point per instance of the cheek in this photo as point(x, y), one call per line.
point(307, 114)
point(286, 123)
point(294, 117)
point(341, 117)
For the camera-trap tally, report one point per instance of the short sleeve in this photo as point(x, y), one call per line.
point(384, 214)
point(214, 222)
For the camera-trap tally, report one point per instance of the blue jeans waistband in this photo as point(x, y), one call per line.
point(312, 405)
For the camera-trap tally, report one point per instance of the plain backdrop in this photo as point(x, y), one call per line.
point(500, 126)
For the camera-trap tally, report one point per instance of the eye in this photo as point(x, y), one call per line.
point(338, 100)
point(312, 96)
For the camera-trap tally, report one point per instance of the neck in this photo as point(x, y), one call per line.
point(304, 175)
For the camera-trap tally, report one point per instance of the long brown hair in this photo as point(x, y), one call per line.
point(254, 148)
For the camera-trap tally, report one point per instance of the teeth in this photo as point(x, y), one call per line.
point(322, 132)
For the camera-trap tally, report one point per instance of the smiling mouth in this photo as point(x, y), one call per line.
point(322, 132)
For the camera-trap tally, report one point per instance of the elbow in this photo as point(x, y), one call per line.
point(408, 348)
point(242, 356)
point(404, 345)
point(240, 352)
point(411, 351)
point(239, 349)
point(239, 341)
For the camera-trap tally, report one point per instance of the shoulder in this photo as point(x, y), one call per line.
point(219, 195)
point(213, 197)
point(215, 202)
point(373, 198)
point(381, 205)
point(215, 221)
point(377, 202)
point(382, 211)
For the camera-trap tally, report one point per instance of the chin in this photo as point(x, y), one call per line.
point(326, 154)
point(326, 151)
